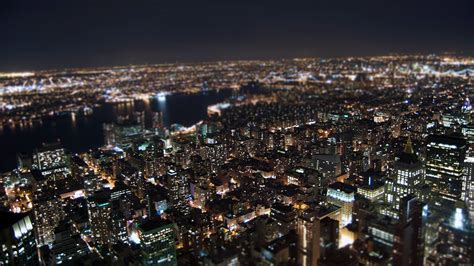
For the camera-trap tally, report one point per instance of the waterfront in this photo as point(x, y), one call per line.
point(79, 133)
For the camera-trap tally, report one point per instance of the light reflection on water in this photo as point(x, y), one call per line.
point(80, 133)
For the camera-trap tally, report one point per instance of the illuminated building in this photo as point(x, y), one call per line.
point(47, 213)
point(342, 195)
point(109, 134)
point(52, 161)
point(369, 185)
point(178, 190)
point(100, 209)
point(284, 216)
point(444, 167)
point(317, 234)
point(466, 111)
point(281, 251)
point(329, 165)
point(468, 186)
point(382, 230)
point(118, 224)
point(372, 191)
point(68, 246)
point(157, 123)
point(215, 152)
point(455, 241)
point(157, 242)
point(468, 133)
point(407, 179)
point(17, 240)
point(308, 180)
point(408, 247)
point(140, 120)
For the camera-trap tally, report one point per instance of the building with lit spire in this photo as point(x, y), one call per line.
point(408, 179)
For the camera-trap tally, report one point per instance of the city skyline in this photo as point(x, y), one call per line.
point(56, 34)
point(236, 133)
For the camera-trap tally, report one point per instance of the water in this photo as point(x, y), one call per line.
point(82, 133)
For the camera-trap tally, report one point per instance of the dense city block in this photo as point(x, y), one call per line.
point(346, 161)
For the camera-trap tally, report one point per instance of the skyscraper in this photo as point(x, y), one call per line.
point(178, 190)
point(407, 179)
point(99, 208)
point(342, 195)
point(17, 240)
point(48, 213)
point(157, 122)
point(455, 241)
point(109, 134)
point(52, 161)
point(140, 120)
point(467, 194)
point(68, 247)
point(157, 242)
point(444, 167)
point(408, 244)
point(317, 234)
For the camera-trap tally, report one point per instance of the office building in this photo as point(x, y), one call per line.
point(17, 240)
point(157, 242)
point(445, 157)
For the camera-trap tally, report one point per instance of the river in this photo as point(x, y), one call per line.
point(79, 133)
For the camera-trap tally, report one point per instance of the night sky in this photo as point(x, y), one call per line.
point(42, 34)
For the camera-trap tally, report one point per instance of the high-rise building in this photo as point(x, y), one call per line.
point(445, 157)
point(17, 240)
point(48, 213)
point(140, 120)
point(467, 194)
point(52, 161)
point(109, 134)
point(408, 247)
point(100, 208)
point(118, 224)
point(317, 234)
point(408, 179)
point(157, 242)
point(329, 165)
point(454, 244)
point(343, 196)
point(284, 216)
point(157, 122)
point(466, 111)
point(178, 190)
point(68, 246)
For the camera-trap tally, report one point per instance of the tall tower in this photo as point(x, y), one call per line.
point(158, 124)
point(109, 134)
point(140, 119)
point(342, 195)
point(100, 209)
point(317, 234)
point(178, 189)
point(408, 245)
point(467, 194)
point(466, 110)
point(445, 157)
point(407, 179)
